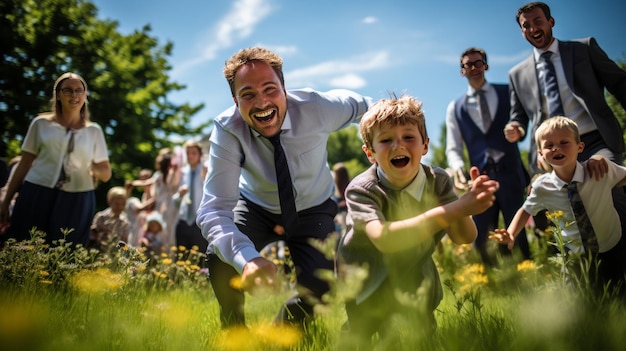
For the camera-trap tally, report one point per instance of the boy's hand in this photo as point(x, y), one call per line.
point(481, 194)
point(503, 237)
point(597, 166)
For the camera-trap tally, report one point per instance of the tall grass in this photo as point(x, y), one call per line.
point(63, 298)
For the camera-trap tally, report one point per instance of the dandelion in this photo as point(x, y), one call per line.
point(277, 335)
point(260, 337)
point(479, 279)
point(236, 283)
point(167, 261)
point(237, 338)
point(526, 265)
point(97, 281)
point(472, 277)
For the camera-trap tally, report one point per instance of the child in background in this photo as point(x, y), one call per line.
point(137, 209)
point(558, 142)
point(152, 237)
point(398, 210)
point(111, 225)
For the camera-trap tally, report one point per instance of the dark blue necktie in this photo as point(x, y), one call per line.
point(587, 234)
point(287, 199)
point(551, 86)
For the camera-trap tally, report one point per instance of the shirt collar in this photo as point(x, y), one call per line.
point(472, 92)
point(414, 189)
point(579, 176)
point(554, 47)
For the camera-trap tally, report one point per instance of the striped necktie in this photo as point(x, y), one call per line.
point(551, 87)
point(587, 233)
point(484, 109)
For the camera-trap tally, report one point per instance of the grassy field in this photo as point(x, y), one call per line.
point(56, 298)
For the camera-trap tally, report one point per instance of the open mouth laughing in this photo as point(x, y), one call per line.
point(400, 161)
point(264, 116)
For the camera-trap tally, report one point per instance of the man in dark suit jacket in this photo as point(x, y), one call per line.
point(583, 71)
point(487, 149)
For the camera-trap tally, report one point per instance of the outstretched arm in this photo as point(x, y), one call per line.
point(515, 227)
point(398, 235)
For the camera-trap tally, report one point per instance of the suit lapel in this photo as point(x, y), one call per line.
point(530, 80)
point(566, 51)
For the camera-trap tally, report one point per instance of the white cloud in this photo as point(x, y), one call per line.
point(370, 20)
point(348, 81)
point(280, 50)
point(327, 73)
point(237, 24)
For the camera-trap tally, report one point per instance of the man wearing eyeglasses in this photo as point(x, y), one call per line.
point(477, 119)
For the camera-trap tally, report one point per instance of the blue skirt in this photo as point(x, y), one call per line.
point(52, 211)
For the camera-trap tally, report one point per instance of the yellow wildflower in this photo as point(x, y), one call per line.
point(236, 283)
point(526, 265)
point(97, 281)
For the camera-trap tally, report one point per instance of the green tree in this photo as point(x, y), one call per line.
point(437, 152)
point(345, 146)
point(127, 77)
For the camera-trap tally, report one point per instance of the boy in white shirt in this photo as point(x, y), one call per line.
point(558, 142)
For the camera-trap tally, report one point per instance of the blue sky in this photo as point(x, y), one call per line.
point(373, 47)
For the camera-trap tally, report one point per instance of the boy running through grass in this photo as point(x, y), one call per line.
point(399, 209)
point(558, 142)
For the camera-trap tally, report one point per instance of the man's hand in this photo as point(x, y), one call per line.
point(597, 166)
point(513, 132)
point(480, 195)
point(259, 274)
point(543, 165)
point(460, 181)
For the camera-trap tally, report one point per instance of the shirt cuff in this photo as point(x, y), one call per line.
point(244, 256)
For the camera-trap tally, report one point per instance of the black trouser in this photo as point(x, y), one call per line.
point(612, 268)
point(190, 235)
point(258, 224)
